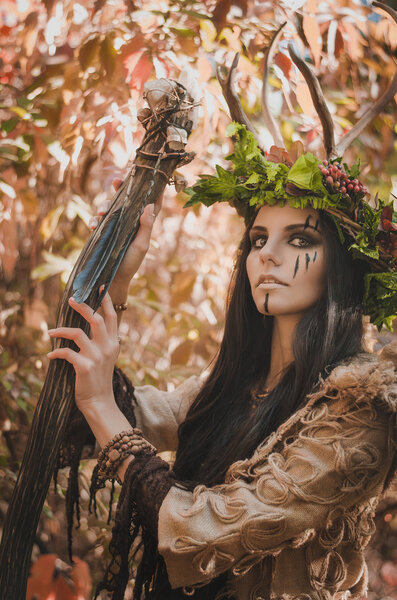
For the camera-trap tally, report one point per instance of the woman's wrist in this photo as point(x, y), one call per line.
point(118, 289)
point(118, 292)
point(105, 419)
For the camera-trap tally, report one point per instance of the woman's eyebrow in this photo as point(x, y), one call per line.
point(303, 226)
point(260, 228)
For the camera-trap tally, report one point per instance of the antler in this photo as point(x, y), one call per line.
point(269, 119)
point(317, 95)
point(236, 110)
point(318, 101)
point(376, 108)
point(233, 101)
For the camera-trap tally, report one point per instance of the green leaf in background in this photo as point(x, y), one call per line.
point(9, 124)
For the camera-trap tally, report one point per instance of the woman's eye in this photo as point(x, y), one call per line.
point(300, 242)
point(258, 242)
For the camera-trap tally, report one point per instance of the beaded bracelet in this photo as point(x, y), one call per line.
point(119, 307)
point(123, 444)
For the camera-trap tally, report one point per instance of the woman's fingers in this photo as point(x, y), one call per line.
point(117, 183)
point(110, 315)
point(95, 320)
point(157, 205)
point(103, 208)
point(142, 239)
point(101, 211)
point(93, 223)
point(79, 362)
point(72, 333)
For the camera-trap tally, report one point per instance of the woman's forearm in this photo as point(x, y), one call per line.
point(106, 421)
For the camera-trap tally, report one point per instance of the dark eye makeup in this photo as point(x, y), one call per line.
point(303, 241)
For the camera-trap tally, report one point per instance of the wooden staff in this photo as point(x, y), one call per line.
point(168, 121)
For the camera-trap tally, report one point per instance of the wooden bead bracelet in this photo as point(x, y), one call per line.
point(123, 444)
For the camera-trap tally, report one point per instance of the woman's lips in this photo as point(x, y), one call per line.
point(269, 285)
point(270, 281)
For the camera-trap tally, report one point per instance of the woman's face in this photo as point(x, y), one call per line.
point(286, 264)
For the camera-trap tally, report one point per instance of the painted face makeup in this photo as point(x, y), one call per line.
point(286, 264)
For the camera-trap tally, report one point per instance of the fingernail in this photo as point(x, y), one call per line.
point(71, 299)
point(48, 353)
point(50, 331)
point(103, 209)
point(101, 288)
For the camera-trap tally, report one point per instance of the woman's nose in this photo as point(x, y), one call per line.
point(269, 252)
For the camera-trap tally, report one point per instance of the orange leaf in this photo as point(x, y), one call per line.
point(296, 150)
point(204, 68)
point(49, 579)
point(304, 99)
point(219, 16)
point(81, 579)
point(182, 286)
point(353, 40)
point(311, 135)
point(138, 42)
point(339, 44)
point(8, 246)
point(181, 354)
point(43, 568)
point(283, 62)
point(139, 68)
point(313, 36)
point(62, 591)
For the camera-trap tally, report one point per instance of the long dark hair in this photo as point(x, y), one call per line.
point(220, 428)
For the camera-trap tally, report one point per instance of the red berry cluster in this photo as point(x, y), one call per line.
point(338, 181)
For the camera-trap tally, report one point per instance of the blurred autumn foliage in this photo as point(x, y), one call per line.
point(71, 77)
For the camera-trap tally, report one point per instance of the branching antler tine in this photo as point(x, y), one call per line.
point(318, 101)
point(376, 108)
point(233, 101)
point(386, 8)
point(267, 115)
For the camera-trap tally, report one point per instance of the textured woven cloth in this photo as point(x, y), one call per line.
point(292, 522)
point(289, 523)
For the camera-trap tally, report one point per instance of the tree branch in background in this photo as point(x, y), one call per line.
point(375, 108)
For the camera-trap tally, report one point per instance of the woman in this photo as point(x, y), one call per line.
point(282, 453)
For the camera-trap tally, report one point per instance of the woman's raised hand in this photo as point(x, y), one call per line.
point(95, 361)
point(139, 246)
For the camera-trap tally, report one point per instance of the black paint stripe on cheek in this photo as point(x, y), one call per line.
point(307, 257)
point(267, 303)
point(307, 222)
point(316, 225)
point(315, 256)
point(296, 266)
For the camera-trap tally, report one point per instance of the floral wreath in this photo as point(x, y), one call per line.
point(368, 228)
point(256, 180)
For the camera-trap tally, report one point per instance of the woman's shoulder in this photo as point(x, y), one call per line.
point(365, 376)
